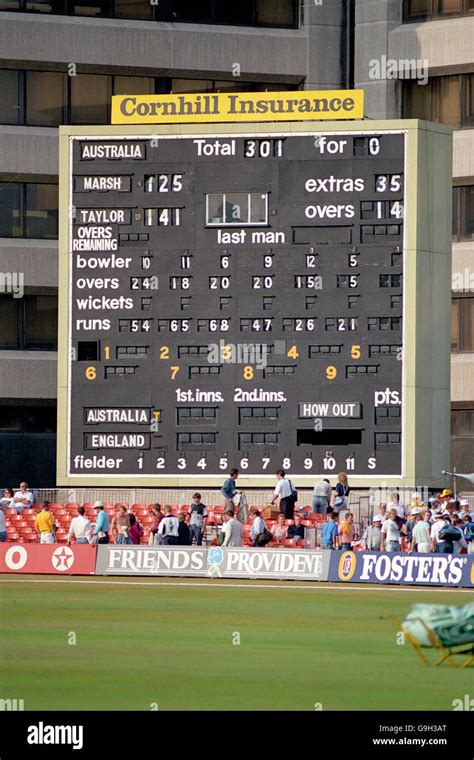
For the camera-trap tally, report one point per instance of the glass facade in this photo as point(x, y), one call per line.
point(276, 13)
point(448, 99)
point(29, 323)
point(28, 210)
point(422, 10)
point(51, 98)
point(462, 325)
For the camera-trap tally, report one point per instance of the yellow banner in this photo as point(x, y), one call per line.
point(300, 105)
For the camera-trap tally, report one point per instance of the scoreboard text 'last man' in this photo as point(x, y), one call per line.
point(254, 297)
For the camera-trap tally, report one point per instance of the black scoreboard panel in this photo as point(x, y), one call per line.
point(237, 301)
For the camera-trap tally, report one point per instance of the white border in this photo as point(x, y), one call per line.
point(221, 135)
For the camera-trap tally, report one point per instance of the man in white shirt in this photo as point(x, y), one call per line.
point(22, 499)
point(283, 491)
point(465, 509)
point(395, 504)
point(80, 528)
point(321, 497)
point(390, 533)
point(258, 533)
point(436, 528)
point(232, 530)
point(168, 528)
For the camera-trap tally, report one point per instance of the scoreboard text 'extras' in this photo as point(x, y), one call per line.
point(262, 106)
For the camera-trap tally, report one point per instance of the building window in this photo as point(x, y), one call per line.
point(279, 13)
point(46, 104)
point(28, 323)
point(51, 98)
point(422, 10)
point(462, 325)
point(463, 212)
point(27, 419)
point(10, 102)
point(90, 97)
point(141, 9)
point(28, 210)
point(448, 99)
point(462, 423)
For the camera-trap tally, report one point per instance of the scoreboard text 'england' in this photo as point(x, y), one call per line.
point(256, 297)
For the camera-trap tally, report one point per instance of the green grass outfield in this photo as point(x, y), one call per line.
point(169, 641)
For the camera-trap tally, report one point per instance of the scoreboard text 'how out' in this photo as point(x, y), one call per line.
point(254, 296)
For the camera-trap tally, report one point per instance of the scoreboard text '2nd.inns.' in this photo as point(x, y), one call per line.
point(236, 300)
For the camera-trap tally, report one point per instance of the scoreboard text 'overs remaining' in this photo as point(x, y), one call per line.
point(254, 296)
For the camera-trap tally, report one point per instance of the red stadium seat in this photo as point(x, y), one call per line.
point(10, 512)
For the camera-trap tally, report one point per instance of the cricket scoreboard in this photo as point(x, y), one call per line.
point(254, 296)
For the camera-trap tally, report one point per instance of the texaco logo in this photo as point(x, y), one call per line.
point(62, 559)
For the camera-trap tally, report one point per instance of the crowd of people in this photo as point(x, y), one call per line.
point(443, 524)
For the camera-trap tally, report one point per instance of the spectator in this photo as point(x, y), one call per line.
point(184, 531)
point(121, 526)
point(321, 497)
point(45, 525)
point(157, 514)
point(23, 499)
point(229, 490)
point(280, 530)
point(373, 535)
point(330, 533)
point(436, 528)
point(168, 528)
point(383, 511)
point(3, 525)
point(259, 534)
point(297, 531)
point(197, 519)
point(102, 524)
point(464, 509)
point(468, 531)
point(7, 498)
point(135, 531)
point(283, 491)
point(80, 528)
point(342, 491)
point(391, 533)
point(420, 541)
point(232, 530)
point(410, 523)
point(443, 499)
point(346, 532)
point(394, 503)
point(461, 543)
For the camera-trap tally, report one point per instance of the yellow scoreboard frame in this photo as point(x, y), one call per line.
point(426, 293)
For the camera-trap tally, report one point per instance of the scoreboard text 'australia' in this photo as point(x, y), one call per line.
point(257, 296)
